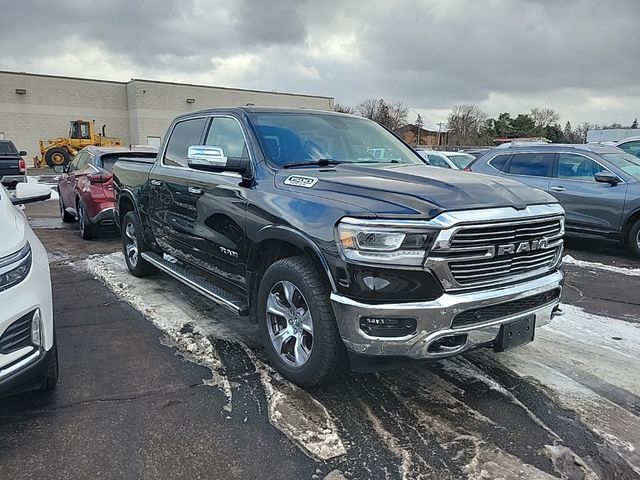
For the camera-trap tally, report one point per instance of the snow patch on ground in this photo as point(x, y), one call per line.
point(569, 260)
point(589, 364)
point(188, 321)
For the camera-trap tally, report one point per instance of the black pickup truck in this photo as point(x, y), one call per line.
point(285, 216)
point(12, 166)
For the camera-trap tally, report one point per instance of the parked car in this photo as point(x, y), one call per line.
point(598, 185)
point(454, 160)
point(275, 214)
point(28, 352)
point(13, 168)
point(86, 186)
point(630, 145)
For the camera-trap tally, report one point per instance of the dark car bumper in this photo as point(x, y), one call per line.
point(30, 376)
point(104, 218)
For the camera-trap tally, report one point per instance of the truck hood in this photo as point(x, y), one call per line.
point(411, 190)
point(12, 226)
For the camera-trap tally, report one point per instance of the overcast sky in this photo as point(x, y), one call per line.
point(577, 56)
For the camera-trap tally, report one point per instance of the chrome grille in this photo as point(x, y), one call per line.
point(470, 256)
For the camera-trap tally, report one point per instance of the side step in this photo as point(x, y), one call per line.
point(199, 284)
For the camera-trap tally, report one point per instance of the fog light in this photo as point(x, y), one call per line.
point(388, 327)
point(36, 324)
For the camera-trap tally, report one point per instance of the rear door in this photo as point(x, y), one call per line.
point(170, 204)
point(589, 205)
point(220, 202)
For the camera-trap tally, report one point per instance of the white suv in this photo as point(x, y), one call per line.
point(28, 354)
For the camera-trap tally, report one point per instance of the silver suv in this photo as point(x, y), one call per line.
point(598, 186)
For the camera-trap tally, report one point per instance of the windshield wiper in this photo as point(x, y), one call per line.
point(321, 162)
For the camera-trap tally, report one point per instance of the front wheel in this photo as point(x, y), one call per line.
point(66, 216)
point(297, 324)
point(133, 245)
point(634, 238)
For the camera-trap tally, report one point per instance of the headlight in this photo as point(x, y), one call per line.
point(376, 242)
point(15, 268)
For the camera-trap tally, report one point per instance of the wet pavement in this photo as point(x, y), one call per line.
point(143, 394)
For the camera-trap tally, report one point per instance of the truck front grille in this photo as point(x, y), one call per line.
point(474, 256)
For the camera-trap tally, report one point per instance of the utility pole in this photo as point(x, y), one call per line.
point(440, 124)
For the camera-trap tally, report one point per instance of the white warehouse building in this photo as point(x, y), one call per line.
point(37, 107)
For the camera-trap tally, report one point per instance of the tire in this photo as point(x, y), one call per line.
point(634, 238)
point(133, 244)
point(66, 216)
point(85, 228)
point(57, 157)
point(303, 357)
point(51, 380)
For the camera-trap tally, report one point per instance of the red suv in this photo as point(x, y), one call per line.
point(86, 186)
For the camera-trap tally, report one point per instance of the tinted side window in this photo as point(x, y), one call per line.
point(499, 162)
point(632, 147)
point(532, 164)
point(577, 167)
point(185, 134)
point(226, 133)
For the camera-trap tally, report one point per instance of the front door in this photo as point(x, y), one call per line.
point(69, 180)
point(589, 205)
point(220, 204)
point(170, 204)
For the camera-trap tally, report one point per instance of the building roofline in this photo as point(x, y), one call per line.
point(160, 82)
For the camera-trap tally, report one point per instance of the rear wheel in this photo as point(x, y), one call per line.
point(56, 157)
point(66, 216)
point(297, 324)
point(634, 238)
point(133, 244)
point(85, 228)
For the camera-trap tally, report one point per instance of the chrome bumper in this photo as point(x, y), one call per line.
point(434, 319)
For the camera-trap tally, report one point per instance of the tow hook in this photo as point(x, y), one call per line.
point(557, 312)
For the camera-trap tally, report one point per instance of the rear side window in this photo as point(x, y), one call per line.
point(184, 135)
point(499, 162)
point(532, 164)
point(436, 161)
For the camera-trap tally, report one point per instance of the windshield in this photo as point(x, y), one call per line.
point(625, 162)
point(461, 160)
point(289, 138)
point(7, 148)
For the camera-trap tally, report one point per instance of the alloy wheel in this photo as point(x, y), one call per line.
point(81, 220)
point(290, 324)
point(131, 244)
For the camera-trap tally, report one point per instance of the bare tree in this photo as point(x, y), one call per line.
point(390, 115)
point(465, 122)
point(344, 108)
point(543, 117)
point(580, 132)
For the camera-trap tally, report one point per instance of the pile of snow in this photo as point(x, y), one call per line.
point(569, 260)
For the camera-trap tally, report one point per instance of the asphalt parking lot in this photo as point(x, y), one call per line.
point(157, 383)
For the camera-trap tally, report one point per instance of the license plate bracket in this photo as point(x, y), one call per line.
point(514, 334)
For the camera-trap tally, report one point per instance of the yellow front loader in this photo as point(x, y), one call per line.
point(60, 151)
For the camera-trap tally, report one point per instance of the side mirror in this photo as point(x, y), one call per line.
point(59, 169)
point(30, 193)
point(607, 177)
point(22, 153)
point(211, 158)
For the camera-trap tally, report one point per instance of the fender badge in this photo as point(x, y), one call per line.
point(300, 181)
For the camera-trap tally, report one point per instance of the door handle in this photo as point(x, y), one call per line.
point(558, 189)
point(155, 183)
point(195, 190)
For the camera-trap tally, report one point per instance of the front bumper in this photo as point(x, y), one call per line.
point(435, 318)
point(27, 374)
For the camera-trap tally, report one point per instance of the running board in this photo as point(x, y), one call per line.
point(199, 284)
